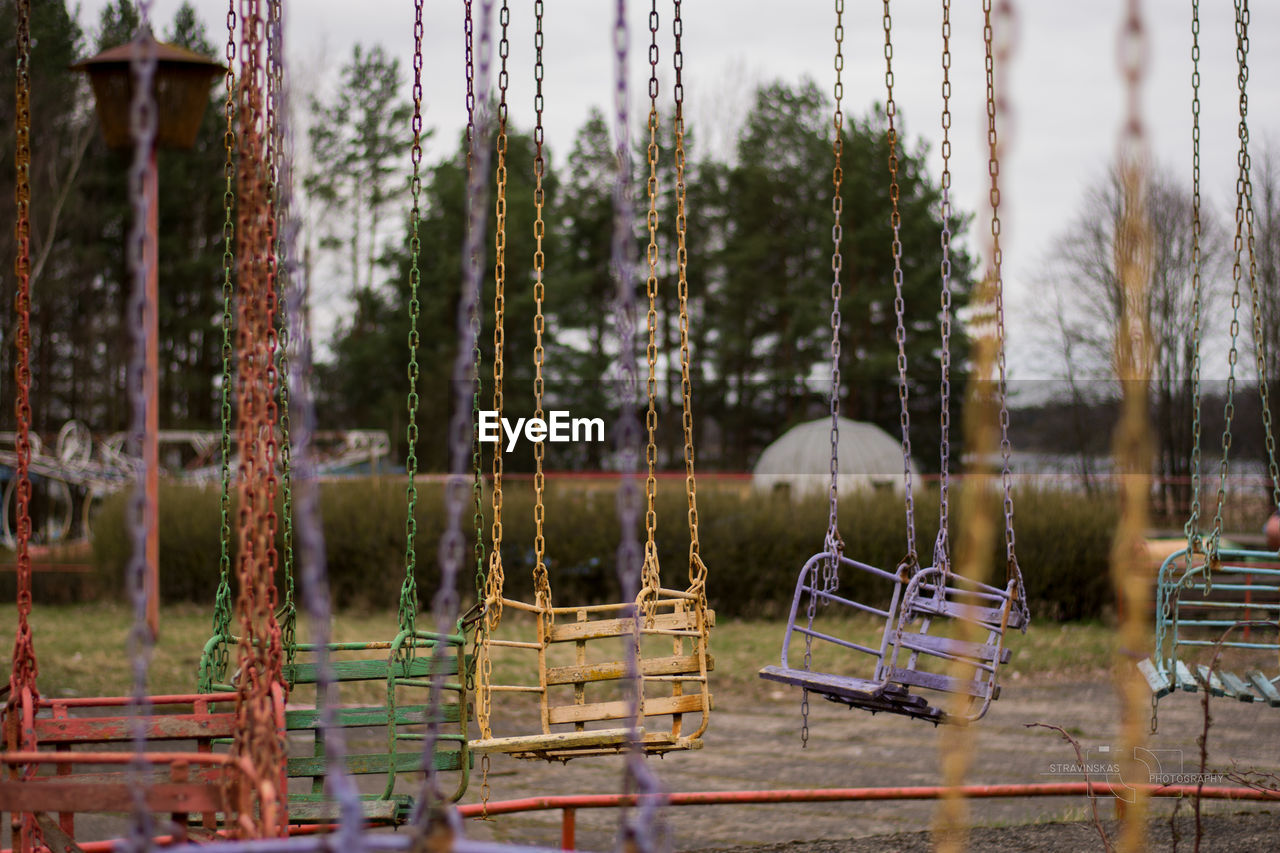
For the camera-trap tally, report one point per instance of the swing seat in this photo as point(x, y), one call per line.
point(908, 656)
point(849, 685)
point(400, 676)
point(1197, 605)
point(935, 600)
point(198, 786)
point(673, 665)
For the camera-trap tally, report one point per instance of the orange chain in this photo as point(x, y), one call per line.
point(260, 652)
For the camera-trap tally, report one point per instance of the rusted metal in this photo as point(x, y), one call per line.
point(570, 803)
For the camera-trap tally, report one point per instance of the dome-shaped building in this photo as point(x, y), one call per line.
point(799, 461)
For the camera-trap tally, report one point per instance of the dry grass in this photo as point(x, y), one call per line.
point(82, 649)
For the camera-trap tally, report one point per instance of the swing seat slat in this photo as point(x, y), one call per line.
point(314, 808)
point(372, 670)
point(825, 682)
point(540, 743)
point(120, 729)
point(412, 715)
point(944, 683)
point(985, 616)
point(613, 670)
point(1236, 687)
point(1265, 688)
point(570, 632)
point(946, 646)
point(1160, 685)
point(596, 711)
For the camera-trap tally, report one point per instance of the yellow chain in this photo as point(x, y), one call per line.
point(697, 569)
point(651, 579)
point(494, 583)
point(541, 583)
point(1131, 442)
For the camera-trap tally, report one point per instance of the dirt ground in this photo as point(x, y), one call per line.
point(1238, 833)
point(754, 743)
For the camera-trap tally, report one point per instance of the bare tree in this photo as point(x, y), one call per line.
point(1266, 210)
point(1082, 301)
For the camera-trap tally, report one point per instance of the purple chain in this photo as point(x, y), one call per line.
point(142, 126)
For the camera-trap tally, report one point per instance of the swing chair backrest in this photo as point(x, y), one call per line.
point(921, 651)
point(583, 678)
point(1229, 610)
point(400, 674)
point(88, 744)
point(833, 607)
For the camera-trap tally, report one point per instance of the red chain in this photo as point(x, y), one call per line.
point(19, 729)
point(24, 653)
point(260, 651)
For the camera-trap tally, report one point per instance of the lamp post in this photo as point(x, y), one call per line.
point(181, 84)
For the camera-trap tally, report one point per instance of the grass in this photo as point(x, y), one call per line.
point(82, 648)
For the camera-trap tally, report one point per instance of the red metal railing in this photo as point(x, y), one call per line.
point(569, 804)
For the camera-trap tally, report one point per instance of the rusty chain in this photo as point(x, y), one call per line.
point(22, 678)
point(541, 582)
point(650, 578)
point(697, 569)
point(260, 641)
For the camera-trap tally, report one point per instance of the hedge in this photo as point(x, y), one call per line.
point(753, 544)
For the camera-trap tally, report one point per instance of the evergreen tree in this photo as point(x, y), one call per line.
point(772, 303)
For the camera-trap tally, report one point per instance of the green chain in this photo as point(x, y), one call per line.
point(287, 616)
point(1233, 356)
point(222, 606)
point(1193, 521)
point(409, 590)
point(477, 483)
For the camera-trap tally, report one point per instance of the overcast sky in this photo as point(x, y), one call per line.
point(1065, 88)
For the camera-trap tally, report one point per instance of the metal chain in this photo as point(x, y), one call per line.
point(480, 637)
point(651, 577)
point(494, 582)
point(697, 569)
point(339, 782)
point(1264, 392)
point(409, 586)
point(1134, 250)
point(25, 668)
point(1197, 288)
point(996, 105)
point(23, 676)
point(639, 832)
point(477, 194)
point(141, 515)
point(288, 616)
point(477, 480)
point(1238, 248)
point(452, 548)
point(941, 547)
point(833, 543)
point(222, 607)
point(911, 561)
point(259, 648)
point(541, 582)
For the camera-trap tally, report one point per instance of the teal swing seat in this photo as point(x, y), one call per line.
point(1216, 626)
